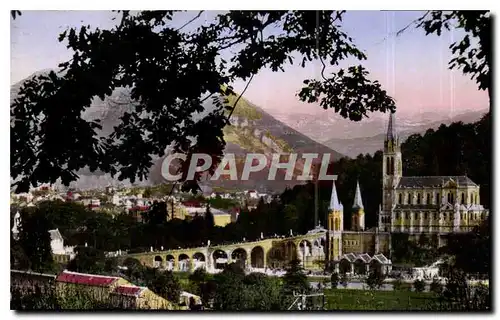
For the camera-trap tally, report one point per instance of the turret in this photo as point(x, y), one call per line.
point(336, 214)
point(335, 225)
point(358, 213)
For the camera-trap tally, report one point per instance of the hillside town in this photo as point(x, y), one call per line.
point(225, 206)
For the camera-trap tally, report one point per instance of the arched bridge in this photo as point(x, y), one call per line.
point(266, 253)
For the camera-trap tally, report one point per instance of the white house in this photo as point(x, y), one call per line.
point(116, 200)
point(57, 244)
point(253, 194)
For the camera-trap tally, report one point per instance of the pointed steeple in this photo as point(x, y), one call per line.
point(391, 128)
point(358, 202)
point(334, 200)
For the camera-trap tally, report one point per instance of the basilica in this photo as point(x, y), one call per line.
point(413, 205)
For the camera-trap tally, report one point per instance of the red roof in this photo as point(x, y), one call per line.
point(128, 290)
point(192, 203)
point(139, 208)
point(85, 279)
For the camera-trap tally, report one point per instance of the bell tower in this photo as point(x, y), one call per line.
point(392, 171)
point(335, 225)
point(358, 211)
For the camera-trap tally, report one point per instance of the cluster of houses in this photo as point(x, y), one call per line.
point(178, 205)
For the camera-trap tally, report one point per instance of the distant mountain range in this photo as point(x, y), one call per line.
point(252, 130)
point(367, 136)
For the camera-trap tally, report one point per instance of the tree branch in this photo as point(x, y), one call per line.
point(190, 21)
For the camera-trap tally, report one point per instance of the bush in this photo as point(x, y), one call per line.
point(436, 286)
point(375, 280)
point(419, 285)
point(344, 280)
point(397, 284)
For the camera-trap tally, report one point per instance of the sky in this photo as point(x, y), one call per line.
point(412, 67)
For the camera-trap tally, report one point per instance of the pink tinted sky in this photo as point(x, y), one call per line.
point(411, 67)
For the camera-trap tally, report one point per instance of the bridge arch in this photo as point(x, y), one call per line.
point(157, 262)
point(239, 256)
point(257, 257)
point(199, 260)
point(170, 262)
point(220, 258)
point(305, 249)
point(281, 253)
point(199, 256)
point(184, 262)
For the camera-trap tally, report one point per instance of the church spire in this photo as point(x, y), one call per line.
point(358, 202)
point(334, 200)
point(391, 128)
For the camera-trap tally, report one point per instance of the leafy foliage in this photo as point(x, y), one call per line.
point(436, 286)
point(334, 280)
point(235, 291)
point(375, 280)
point(344, 280)
point(419, 285)
point(294, 279)
point(34, 240)
point(472, 251)
point(88, 260)
point(459, 295)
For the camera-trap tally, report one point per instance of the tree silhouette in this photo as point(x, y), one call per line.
point(209, 219)
point(172, 73)
point(34, 239)
point(88, 260)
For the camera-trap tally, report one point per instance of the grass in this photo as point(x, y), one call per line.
point(367, 300)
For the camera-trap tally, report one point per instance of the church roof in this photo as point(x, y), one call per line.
point(358, 202)
point(435, 181)
point(416, 207)
point(334, 200)
point(363, 257)
point(381, 258)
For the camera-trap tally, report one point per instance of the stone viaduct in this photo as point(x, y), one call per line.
point(266, 253)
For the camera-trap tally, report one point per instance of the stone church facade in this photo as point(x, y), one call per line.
point(414, 205)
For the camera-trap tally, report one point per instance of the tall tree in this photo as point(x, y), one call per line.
point(88, 260)
point(209, 218)
point(34, 239)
